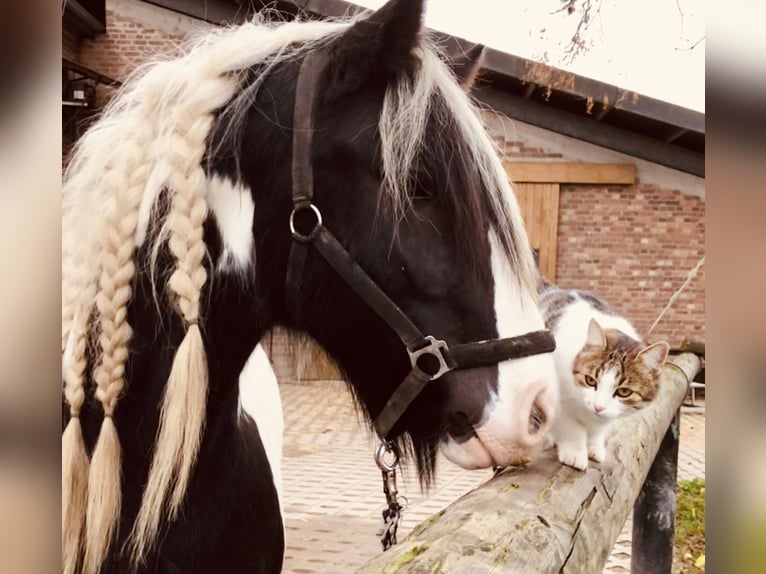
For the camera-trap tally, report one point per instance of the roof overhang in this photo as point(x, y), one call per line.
point(574, 105)
point(531, 92)
point(86, 18)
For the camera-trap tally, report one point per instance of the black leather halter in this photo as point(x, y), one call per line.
point(430, 357)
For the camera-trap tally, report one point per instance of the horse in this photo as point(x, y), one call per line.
point(330, 177)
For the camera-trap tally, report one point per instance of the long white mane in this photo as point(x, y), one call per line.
point(152, 137)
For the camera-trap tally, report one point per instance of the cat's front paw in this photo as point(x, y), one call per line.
point(573, 457)
point(597, 452)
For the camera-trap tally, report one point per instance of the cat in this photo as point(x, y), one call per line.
point(605, 371)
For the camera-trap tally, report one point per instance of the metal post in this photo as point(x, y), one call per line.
point(654, 513)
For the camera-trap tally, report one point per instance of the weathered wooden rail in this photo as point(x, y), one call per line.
point(549, 518)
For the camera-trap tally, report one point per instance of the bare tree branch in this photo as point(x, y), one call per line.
point(590, 9)
point(588, 12)
point(569, 6)
point(689, 48)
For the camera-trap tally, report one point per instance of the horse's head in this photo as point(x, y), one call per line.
point(407, 180)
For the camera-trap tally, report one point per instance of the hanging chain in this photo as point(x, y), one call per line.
point(392, 513)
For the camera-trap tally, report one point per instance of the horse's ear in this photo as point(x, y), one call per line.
point(381, 45)
point(466, 66)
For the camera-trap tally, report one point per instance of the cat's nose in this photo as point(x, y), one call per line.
point(598, 408)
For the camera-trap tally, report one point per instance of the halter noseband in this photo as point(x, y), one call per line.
point(430, 357)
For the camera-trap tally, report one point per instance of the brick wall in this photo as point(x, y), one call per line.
point(518, 150)
point(631, 245)
point(135, 32)
point(70, 45)
point(634, 246)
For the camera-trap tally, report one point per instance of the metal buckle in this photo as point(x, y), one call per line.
point(298, 236)
point(435, 348)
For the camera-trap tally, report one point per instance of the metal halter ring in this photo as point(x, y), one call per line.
point(434, 348)
point(381, 451)
point(310, 236)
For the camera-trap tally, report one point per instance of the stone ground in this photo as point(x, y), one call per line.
point(333, 490)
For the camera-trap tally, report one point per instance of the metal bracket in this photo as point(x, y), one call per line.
point(434, 348)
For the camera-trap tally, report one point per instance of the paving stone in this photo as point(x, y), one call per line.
point(333, 494)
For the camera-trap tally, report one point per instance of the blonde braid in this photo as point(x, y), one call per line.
point(107, 182)
point(74, 459)
point(114, 292)
point(182, 417)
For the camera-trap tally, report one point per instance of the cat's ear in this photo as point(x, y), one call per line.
point(655, 355)
point(596, 337)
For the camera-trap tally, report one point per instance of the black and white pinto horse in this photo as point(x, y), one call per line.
point(179, 256)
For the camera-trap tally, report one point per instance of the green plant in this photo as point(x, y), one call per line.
point(690, 527)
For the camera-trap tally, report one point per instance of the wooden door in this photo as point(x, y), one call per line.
point(539, 203)
point(537, 184)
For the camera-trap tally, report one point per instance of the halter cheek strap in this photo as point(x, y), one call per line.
point(430, 357)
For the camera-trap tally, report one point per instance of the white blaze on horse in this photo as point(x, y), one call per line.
point(333, 178)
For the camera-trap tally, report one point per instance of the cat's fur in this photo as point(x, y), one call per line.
point(599, 357)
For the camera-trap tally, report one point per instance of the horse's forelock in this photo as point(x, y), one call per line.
point(428, 114)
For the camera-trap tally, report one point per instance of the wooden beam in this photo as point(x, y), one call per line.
point(213, 11)
point(566, 172)
point(581, 87)
point(88, 73)
point(675, 135)
point(598, 133)
point(546, 518)
point(601, 114)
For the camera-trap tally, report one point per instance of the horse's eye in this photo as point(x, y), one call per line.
point(590, 381)
point(424, 184)
point(422, 194)
point(623, 392)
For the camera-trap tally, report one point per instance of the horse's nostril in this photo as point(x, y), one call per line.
point(536, 419)
point(460, 427)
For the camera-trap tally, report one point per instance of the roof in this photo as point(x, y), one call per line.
point(86, 17)
point(534, 93)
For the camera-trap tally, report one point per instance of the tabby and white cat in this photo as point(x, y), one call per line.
point(605, 371)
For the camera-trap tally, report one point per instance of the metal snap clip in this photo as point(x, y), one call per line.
point(383, 450)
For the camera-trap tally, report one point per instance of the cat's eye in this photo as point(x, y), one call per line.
point(590, 381)
point(623, 392)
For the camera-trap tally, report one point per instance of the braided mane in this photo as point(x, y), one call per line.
point(152, 137)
